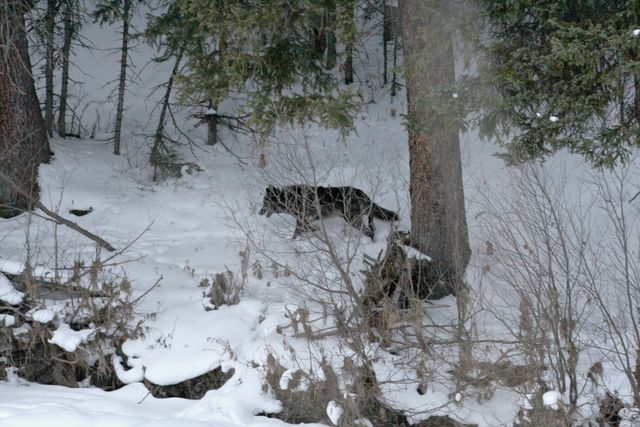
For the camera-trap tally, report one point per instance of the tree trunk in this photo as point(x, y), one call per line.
point(66, 51)
point(318, 35)
point(212, 124)
point(159, 141)
point(385, 39)
point(636, 100)
point(123, 75)
point(50, 38)
point(213, 119)
point(438, 222)
point(348, 65)
point(23, 137)
point(394, 76)
point(394, 27)
point(330, 19)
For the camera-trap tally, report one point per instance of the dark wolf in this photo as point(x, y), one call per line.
point(308, 203)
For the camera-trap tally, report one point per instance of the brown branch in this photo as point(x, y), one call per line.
point(57, 218)
point(72, 225)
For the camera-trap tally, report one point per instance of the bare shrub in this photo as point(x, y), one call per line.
point(63, 325)
point(567, 286)
point(537, 236)
point(98, 317)
point(337, 310)
point(614, 273)
point(226, 288)
point(305, 397)
point(539, 415)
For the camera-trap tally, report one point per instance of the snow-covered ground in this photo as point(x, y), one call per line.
point(186, 230)
point(190, 235)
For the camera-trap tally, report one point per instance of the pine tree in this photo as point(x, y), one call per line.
point(559, 75)
point(171, 39)
point(273, 59)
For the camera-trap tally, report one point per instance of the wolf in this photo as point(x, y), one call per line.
point(307, 203)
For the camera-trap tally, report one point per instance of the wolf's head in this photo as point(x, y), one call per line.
point(272, 202)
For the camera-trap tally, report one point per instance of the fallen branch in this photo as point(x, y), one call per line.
point(72, 225)
point(57, 218)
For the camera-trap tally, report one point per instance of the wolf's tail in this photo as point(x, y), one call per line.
point(383, 214)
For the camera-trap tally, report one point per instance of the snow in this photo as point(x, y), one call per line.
point(334, 412)
point(43, 315)
point(285, 378)
point(8, 319)
point(552, 399)
point(160, 367)
point(11, 267)
point(8, 293)
point(192, 235)
point(68, 339)
point(526, 402)
point(196, 227)
point(135, 374)
point(414, 253)
point(130, 406)
point(629, 417)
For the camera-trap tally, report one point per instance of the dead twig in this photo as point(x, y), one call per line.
point(57, 218)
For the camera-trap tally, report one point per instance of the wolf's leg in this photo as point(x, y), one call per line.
point(303, 226)
point(371, 226)
point(299, 229)
point(357, 223)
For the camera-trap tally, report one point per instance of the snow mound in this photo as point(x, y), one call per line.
point(552, 399)
point(7, 319)
point(11, 267)
point(8, 293)
point(133, 375)
point(68, 339)
point(334, 412)
point(43, 316)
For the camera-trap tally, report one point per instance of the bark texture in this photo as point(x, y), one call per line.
point(330, 6)
point(66, 52)
point(126, 16)
point(49, 65)
point(348, 63)
point(438, 222)
point(23, 138)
